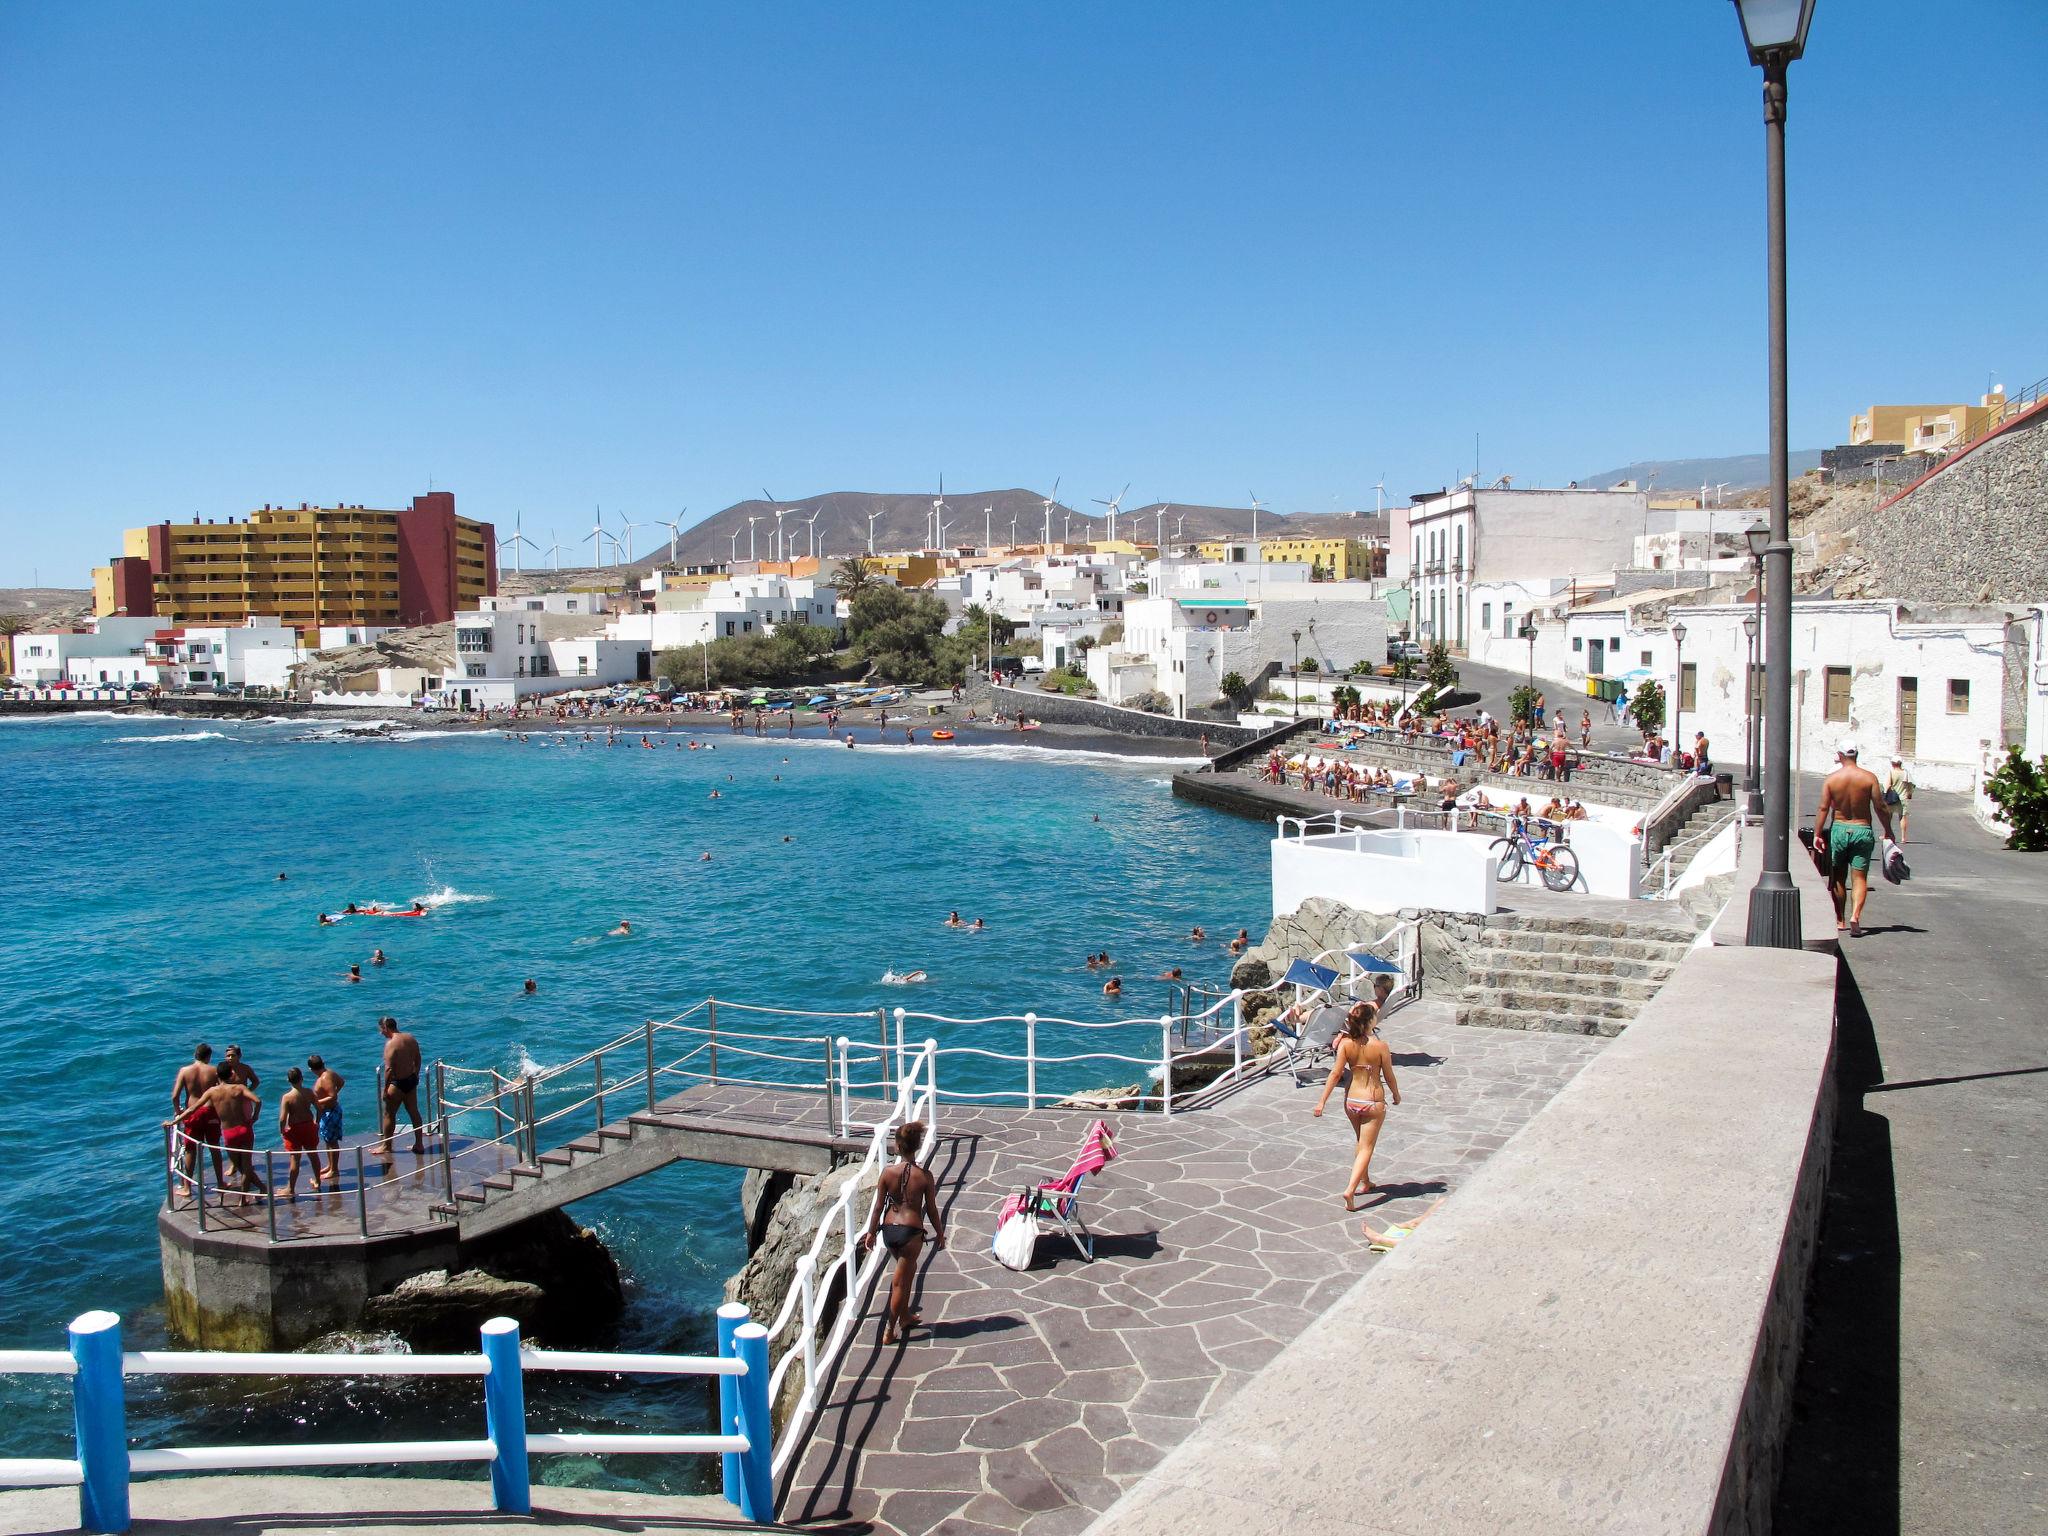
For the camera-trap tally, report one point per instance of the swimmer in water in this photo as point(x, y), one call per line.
point(705, 857)
point(787, 838)
point(355, 973)
point(717, 794)
point(953, 920)
point(326, 921)
point(376, 957)
point(531, 987)
point(1197, 936)
point(849, 739)
point(284, 877)
point(1169, 975)
point(977, 926)
point(349, 909)
point(1114, 987)
point(1241, 943)
point(623, 931)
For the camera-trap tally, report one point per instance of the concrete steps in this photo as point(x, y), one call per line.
point(1568, 975)
point(1699, 829)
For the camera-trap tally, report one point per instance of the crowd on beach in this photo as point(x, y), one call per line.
point(216, 1108)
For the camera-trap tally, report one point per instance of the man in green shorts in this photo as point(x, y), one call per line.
point(1842, 831)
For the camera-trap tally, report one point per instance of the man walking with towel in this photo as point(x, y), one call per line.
point(1842, 834)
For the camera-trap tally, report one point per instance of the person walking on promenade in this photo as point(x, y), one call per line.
point(1842, 833)
point(197, 1124)
point(298, 1128)
point(1370, 1065)
point(1898, 797)
point(1585, 729)
point(327, 1086)
point(401, 1089)
point(905, 1198)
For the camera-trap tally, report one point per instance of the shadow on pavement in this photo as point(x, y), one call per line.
point(1841, 1463)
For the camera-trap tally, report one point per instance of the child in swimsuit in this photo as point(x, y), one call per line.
point(906, 1196)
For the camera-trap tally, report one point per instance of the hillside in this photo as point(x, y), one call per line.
point(1740, 472)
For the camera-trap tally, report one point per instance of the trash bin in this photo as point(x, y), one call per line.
point(1724, 786)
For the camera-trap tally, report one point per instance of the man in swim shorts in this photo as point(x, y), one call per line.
point(235, 1070)
point(237, 1108)
point(327, 1085)
point(297, 1128)
point(195, 1119)
point(1842, 831)
point(401, 1088)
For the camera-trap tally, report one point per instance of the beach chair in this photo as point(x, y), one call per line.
point(1306, 1038)
point(1056, 1205)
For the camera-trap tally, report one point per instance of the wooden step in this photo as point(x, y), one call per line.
point(469, 1195)
point(525, 1171)
point(588, 1145)
point(498, 1181)
point(557, 1160)
point(615, 1132)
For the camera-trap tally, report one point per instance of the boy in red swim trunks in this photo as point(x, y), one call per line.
point(298, 1128)
point(237, 1108)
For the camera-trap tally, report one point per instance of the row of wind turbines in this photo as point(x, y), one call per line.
point(935, 525)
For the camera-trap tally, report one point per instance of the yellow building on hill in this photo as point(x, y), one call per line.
point(1927, 428)
point(1340, 559)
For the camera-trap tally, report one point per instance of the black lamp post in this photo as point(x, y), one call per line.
point(1774, 31)
point(1678, 690)
point(1758, 537)
point(1297, 674)
point(1529, 634)
point(1752, 802)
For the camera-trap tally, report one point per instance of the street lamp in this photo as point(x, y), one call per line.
point(1774, 32)
point(1297, 674)
point(1678, 690)
point(1758, 537)
point(1529, 634)
point(1752, 798)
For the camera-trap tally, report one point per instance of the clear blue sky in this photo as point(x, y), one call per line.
point(554, 255)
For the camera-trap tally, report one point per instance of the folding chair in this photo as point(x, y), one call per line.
point(1057, 1203)
point(1305, 1038)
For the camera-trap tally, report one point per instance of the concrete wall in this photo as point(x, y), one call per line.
point(1058, 709)
point(1383, 871)
point(1596, 1333)
point(1974, 532)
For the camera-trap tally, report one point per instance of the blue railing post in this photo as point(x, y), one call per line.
point(730, 1316)
point(757, 1484)
point(505, 1417)
point(99, 1418)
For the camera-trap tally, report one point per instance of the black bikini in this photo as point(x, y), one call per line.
point(896, 1233)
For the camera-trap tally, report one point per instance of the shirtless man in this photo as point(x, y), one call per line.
point(237, 1109)
point(327, 1086)
point(298, 1129)
point(200, 1125)
point(1841, 831)
point(236, 1070)
point(401, 1088)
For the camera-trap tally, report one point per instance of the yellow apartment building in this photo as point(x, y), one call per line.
point(1926, 428)
point(1340, 559)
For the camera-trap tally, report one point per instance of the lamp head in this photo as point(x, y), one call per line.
point(1749, 625)
point(1757, 537)
point(1774, 29)
point(1678, 633)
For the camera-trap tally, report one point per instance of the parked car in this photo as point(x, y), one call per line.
point(1405, 650)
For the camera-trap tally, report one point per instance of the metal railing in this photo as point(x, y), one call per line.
point(102, 1463)
point(2013, 406)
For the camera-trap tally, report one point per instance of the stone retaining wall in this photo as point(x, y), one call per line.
point(1596, 1333)
point(1058, 709)
point(1975, 532)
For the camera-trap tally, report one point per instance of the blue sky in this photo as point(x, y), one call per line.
point(656, 255)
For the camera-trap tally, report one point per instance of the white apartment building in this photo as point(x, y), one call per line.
point(547, 602)
point(502, 658)
point(332, 637)
point(1442, 545)
point(224, 656)
point(45, 657)
point(728, 609)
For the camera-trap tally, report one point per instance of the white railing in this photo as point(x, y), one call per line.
point(1405, 936)
point(103, 1464)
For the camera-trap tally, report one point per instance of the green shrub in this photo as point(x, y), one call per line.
point(1646, 707)
point(2020, 791)
point(1522, 705)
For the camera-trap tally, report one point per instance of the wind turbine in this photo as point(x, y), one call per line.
point(1379, 495)
point(938, 525)
point(1115, 504)
point(1159, 532)
point(811, 523)
point(1013, 533)
point(554, 555)
point(735, 547)
point(871, 529)
point(627, 529)
point(675, 531)
point(1049, 501)
point(988, 527)
point(1256, 506)
point(596, 537)
point(780, 513)
point(751, 520)
point(1178, 524)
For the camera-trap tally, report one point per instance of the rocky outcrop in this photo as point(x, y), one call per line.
point(792, 1222)
point(581, 1291)
point(442, 1311)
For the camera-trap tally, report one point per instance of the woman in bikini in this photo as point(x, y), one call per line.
point(1370, 1087)
point(904, 1199)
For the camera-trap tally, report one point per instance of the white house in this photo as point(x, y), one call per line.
point(220, 655)
point(728, 609)
point(502, 658)
point(45, 657)
point(546, 602)
point(1446, 543)
point(332, 637)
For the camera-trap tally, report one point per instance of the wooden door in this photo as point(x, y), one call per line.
point(1909, 716)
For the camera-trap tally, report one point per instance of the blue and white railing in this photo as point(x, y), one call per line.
point(102, 1464)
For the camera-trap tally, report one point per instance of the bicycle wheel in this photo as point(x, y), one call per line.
point(1561, 868)
point(1506, 853)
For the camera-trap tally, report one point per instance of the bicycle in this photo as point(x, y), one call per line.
point(1548, 853)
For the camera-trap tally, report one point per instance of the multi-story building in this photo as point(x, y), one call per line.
point(1327, 559)
point(1926, 428)
point(508, 655)
point(1446, 542)
point(306, 566)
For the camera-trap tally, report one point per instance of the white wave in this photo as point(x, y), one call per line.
point(65, 717)
point(176, 736)
point(991, 751)
point(523, 1064)
point(890, 978)
point(448, 896)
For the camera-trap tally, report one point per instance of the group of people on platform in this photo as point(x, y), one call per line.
point(217, 1107)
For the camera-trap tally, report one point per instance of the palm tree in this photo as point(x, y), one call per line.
point(854, 576)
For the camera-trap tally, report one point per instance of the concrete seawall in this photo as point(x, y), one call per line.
point(1597, 1334)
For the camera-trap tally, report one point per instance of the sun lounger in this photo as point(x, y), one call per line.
point(1056, 1204)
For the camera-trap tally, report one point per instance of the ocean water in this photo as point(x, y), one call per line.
point(144, 913)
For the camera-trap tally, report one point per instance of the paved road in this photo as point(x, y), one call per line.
point(1922, 1402)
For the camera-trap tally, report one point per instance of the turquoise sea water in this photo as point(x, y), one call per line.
point(141, 858)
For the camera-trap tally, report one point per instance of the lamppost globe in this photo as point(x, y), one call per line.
point(1774, 29)
point(1678, 633)
point(1757, 536)
point(1749, 627)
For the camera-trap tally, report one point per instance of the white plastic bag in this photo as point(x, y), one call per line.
point(1016, 1240)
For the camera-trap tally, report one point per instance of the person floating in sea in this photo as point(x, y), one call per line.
point(704, 857)
point(905, 1198)
point(623, 931)
point(1197, 935)
point(376, 957)
point(1114, 987)
point(401, 1089)
point(1170, 974)
point(977, 926)
point(1093, 963)
point(1241, 943)
point(351, 910)
point(325, 921)
point(1371, 1085)
point(298, 1128)
point(531, 987)
point(284, 877)
point(327, 1086)
point(953, 920)
point(199, 1124)
point(355, 973)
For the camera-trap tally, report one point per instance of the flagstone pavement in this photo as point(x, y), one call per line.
point(1027, 1402)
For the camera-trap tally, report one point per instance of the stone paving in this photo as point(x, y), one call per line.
point(1029, 1402)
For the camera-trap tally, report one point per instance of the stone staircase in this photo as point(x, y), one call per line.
point(1568, 975)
